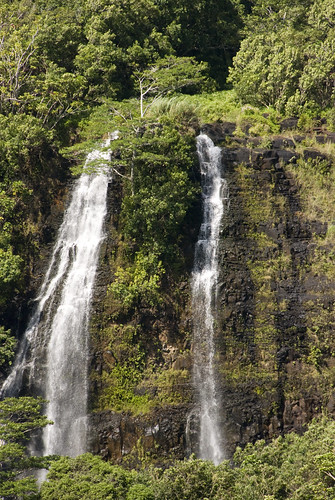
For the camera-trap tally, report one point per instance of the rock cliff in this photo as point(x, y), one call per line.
point(275, 349)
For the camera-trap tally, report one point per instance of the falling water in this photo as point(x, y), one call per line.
point(204, 294)
point(53, 357)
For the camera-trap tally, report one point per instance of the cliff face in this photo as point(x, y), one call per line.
point(275, 319)
point(275, 349)
point(276, 313)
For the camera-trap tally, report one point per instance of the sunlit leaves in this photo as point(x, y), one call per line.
point(266, 70)
point(139, 283)
point(170, 75)
point(58, 95)
point(7, 346)
point(19, 418)
point(287, 59)
point(18, 42)
point(9, 266)
point(296, 467)
point(86, 477)
point(96, 62)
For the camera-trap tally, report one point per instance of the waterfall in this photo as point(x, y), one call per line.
point(204, 295)
point(53, 357)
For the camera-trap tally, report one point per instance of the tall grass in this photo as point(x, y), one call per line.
point(211, 107)
point(316, 181)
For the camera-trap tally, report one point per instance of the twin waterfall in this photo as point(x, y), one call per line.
point(53, 357)
point(204, 297)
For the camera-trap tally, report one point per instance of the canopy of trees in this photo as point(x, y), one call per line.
point(298, 467)
point(58, 61)
point(19, 419)
point(287, 58)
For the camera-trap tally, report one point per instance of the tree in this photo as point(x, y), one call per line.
point(87, 477)
point(266, 70)
point(7, 346)
point(168, 76)
point(19, 419)
point(58, 94)
point(157, 161)
point(19, 32)
point(287, 58)
point(289, 467)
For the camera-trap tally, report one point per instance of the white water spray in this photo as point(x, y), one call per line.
point(53, 356)
point(204, 294)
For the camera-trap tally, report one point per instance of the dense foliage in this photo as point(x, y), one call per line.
point(51, 78)
point(97, 47)
point(287, 57)
point(153, 159)
point(298, 467)
point(58, 61)
point(19, 419)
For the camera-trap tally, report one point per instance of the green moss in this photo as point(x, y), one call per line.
point(246, 372)
point(135, 378)
point(264, 272)
point(261, 203)
point(130, 387)
point(268, 263)
point(316, 181)
point(169, 386)
point(138, 283)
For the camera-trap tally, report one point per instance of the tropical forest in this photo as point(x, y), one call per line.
point(167, 249)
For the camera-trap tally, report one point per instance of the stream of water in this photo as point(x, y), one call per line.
point(204, 297)
point(53, 357)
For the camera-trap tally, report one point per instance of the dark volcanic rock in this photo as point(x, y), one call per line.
point(160, 435)
point(313, 154)
point(325, 137)
point(266, 289)
point(288, 124)
point(218, 131)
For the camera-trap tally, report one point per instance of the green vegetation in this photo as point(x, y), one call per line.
point(286, 58)
point(51, 80)
point(124, 364)
point(296, 467)
point(7, 346)
point(315, 181)
point(267, 261)
point(19, 419)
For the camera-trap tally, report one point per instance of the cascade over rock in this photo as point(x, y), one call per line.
point(268, 292)
point(204, 303)
point(272, 294)
point(53, 357)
